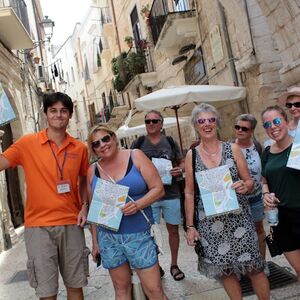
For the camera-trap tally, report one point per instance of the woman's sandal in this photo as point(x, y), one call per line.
point(176, 273)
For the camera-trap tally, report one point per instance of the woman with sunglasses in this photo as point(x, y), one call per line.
point(291, 100)
point(244, 132)
point(131, 246)
point(281, 184)
point(229, 241)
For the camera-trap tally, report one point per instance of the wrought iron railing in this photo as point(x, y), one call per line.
point(20, 9)
point(129, 64)
point(161, 9)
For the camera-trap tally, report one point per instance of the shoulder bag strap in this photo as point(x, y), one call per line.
point(113, 181)
point(196, 189)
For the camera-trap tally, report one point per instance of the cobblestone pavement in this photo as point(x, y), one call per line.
point(14, 285)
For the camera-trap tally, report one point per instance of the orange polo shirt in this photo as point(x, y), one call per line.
point(44, 205)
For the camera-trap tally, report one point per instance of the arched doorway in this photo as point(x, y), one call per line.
point(14, 197)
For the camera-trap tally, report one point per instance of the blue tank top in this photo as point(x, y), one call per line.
point(137, 189)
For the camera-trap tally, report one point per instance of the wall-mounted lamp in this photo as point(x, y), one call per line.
point(47, 24)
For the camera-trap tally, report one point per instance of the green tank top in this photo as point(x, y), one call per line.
point(282, 181)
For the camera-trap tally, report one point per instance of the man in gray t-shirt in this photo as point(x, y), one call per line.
point(156, 145)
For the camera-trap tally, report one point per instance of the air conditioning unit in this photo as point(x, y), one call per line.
point(41, 73)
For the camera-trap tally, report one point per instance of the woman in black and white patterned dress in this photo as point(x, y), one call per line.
point(230, 244)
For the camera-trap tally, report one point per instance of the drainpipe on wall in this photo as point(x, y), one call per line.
point(115, 25)
point(249, 26)
point(228, 45)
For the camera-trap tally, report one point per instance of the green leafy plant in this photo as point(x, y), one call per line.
point(126, 66)
point(136, 62)
point(129, 40)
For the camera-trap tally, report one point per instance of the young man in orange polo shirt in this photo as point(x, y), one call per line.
point(54, 163)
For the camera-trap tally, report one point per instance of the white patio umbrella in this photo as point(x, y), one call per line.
point(176, 97)
point(126, 131)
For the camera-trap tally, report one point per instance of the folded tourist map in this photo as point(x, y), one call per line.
point(107, 201)
point(216, 193)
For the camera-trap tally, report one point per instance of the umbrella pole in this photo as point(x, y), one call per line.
point(178, 128)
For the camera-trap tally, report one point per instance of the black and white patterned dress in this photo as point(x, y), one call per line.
point(229, 241)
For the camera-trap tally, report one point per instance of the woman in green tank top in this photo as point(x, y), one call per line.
point(281, 184)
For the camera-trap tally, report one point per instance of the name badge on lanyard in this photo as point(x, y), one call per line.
point(62, 186)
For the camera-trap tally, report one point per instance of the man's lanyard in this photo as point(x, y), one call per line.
point(57, 163)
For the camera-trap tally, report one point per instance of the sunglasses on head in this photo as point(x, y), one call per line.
point(203, 120)
point(243, 128)
point(105, 139)
point(154, 121)
point(295, 104)
point(276, 122)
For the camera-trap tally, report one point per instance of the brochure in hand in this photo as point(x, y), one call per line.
point(216, 193)
point(163, 167)
point(107, 201)
point(294, 156)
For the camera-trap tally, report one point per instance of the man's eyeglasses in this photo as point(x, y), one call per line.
point(243, 128)
point(154, 121)
point(276, 122)
point(203, 120)
point(295, 104)
point(105, 139)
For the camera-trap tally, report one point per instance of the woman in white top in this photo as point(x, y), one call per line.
point(244, 132)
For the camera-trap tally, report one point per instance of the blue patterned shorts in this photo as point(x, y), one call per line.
point(138, 249)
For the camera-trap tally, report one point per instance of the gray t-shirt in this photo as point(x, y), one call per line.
point(163, 150)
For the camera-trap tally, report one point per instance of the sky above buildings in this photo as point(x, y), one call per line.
point(65, 14)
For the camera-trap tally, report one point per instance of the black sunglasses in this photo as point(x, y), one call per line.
point(105, 139)
point(243, 128)
point(154, 121)
point(295, 104)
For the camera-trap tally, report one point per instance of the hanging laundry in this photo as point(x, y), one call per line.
point(52, 71)
point(55, 71)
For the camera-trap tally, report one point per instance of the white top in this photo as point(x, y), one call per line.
point(254, 164)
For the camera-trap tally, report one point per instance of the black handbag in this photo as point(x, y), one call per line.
point(273, 246)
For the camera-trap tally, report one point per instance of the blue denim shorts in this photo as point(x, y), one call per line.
point(257, 208)
point(170, 209)
point(138, 249)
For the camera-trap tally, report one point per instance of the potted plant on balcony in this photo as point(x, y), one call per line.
point(129, 40)
point(36, 60)
point(145, 11)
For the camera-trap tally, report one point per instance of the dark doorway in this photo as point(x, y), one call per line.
point(13, 185)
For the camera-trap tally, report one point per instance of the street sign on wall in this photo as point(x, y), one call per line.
point(7, 113)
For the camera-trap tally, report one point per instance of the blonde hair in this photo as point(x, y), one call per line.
point(97, 128)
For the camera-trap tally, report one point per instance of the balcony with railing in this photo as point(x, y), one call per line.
point(14, 29)
point(137, 62)
point(173, 23)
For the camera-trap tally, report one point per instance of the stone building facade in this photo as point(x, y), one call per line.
point(22, 76)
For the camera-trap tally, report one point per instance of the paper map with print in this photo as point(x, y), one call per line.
point(107, 201)
point(216, 193)
point(163, 167)
point(6, 112)
point(294, 157)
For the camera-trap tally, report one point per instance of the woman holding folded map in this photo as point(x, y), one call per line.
point(281, 183)
point(131, 245)
point(227, 235)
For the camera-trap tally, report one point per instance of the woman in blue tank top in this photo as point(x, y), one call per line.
point(132, 246)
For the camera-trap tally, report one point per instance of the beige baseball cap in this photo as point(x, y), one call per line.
point(294, 91)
